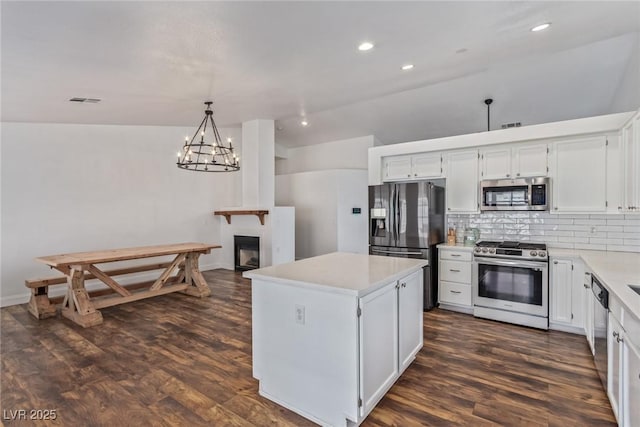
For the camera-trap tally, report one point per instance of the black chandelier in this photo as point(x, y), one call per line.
point(208, 156)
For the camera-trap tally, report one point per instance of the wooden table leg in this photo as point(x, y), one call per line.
point(198, 287)
point(39, 304)
point(79, 308)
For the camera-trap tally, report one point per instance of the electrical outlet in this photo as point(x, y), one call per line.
point(300, 314)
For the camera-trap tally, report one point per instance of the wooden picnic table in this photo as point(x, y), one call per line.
point(83, 310)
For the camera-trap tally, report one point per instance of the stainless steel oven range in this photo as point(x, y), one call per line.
point(511, 282)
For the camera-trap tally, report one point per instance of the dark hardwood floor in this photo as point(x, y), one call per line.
point(178, 360)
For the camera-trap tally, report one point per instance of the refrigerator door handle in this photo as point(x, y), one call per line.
point(397, 210)
point(392, 215)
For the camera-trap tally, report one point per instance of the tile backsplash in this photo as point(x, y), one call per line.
point(599, 232)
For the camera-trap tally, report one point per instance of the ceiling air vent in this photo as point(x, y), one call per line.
point(511, 125)
point(88, 100)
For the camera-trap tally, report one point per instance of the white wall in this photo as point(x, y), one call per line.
point(324, 182)
point(323, 202)
point(353, 229)
point(68, 188)
point(342, 154)
point(627, 96)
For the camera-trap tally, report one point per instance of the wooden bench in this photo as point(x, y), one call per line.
point(78, 304)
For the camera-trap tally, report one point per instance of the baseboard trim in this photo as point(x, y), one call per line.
point(566, 328)
point(459, 309)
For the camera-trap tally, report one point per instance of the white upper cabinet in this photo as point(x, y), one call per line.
point(462, 181)
point(418, 166)
point(531, 160)
point(496, 163)
point(631, 166)
point(579, 175)
point(427, 165)
point(514, 161)
point(396, 168)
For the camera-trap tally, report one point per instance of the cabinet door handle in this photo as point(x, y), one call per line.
point(415, 174)
point(454, 271)
point(556, 208)
point(555, 262)
point(615, 334)
point(448, 209)
point(508, 175)
point(518, 174)
point(456, 255)
point(404, 285)
point(619, 208)
point(585, 286)
point(619, 339)
point(455, 292)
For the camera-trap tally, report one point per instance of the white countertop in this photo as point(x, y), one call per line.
point(615, 270)
point(340, 272)
point(457, 247)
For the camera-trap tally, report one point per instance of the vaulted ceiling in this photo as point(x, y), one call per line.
point(154, 63)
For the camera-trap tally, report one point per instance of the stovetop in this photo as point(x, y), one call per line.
point(512, 250)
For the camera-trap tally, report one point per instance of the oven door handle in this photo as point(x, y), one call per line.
point(524, 264)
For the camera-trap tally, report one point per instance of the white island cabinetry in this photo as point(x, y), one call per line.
point(331, 334)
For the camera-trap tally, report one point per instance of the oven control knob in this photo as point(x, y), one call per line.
point(476, 250)
point(492, 251)
point(533, 253)
point(542, 253)
point(485, 250)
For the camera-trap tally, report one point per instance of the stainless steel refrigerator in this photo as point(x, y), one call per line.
point(407, 220)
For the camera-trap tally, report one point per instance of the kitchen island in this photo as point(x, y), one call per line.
point(331, 334)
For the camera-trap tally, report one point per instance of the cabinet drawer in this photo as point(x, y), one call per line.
point(455, 293)
point(455, 255)
point(455, 271)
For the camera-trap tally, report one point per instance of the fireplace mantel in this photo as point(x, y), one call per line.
point(229, 213)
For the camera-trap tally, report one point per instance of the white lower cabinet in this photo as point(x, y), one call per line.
point(587, 305)
point(454, 279)
point(631, 387)
point(390, 329)
point(378, 345)
point(410, 312)
point(623, 376)
point(567, 291)
point(614, 360)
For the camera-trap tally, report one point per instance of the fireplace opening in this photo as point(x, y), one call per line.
point(247, 252)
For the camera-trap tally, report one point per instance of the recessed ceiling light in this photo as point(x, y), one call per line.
point(365, 46)
point(541, 27)
point(407, 67)
point(304, 123)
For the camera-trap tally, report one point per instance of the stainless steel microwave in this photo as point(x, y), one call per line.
point(522, 194)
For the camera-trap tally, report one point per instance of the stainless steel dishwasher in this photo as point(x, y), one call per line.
point(600, 320)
